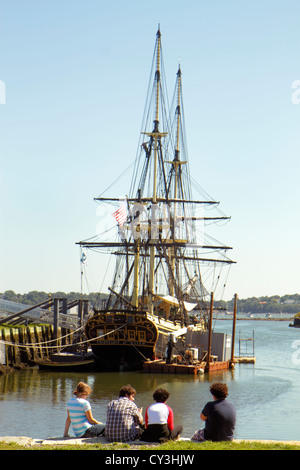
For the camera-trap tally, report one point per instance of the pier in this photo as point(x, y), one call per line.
point(29, 335)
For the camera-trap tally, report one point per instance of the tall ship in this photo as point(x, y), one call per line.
point(166, 264)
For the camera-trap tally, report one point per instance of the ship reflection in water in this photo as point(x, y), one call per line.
point(259, 391)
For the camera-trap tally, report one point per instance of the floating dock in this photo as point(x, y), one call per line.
point(245, 360)
point(161, 367)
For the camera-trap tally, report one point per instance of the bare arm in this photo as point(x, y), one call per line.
point(67, 425)
point(139, 416)
point(203, 417)
point(90, 417)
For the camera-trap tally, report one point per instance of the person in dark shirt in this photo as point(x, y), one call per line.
point(219, 416)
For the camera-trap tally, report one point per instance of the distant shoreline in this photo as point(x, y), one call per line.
point(260, 319)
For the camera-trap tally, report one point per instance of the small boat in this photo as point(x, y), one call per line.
point(68, 361)
point(296, 323)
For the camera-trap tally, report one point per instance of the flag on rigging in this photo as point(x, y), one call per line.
point(120, 214)
point(83, 258)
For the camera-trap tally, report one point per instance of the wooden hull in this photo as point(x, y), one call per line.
point(120, 358)
point(123, 340)
point(68, 362)
point(67, 366)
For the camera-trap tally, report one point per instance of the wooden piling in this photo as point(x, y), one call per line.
point(25, 345)
point(210, 329)
point(233, 329)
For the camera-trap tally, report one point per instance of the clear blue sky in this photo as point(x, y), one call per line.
point(76, 76)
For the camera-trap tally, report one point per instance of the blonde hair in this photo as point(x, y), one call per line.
point(82, 389)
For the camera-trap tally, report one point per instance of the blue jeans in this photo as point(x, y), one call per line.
point(94, 430)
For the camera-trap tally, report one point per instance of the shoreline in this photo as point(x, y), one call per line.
point(30, 442)
point(259, 319)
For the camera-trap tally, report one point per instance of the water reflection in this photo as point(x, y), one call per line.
point(45, 394)
point(33, 402)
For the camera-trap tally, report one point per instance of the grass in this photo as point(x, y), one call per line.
point(169, 446)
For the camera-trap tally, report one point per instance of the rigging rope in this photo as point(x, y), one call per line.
point(8, 343)
point(134, 346)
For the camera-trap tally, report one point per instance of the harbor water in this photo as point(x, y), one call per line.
point(266, 394)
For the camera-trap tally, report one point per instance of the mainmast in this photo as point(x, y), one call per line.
point(155, 138)
point(176, 160)
point(178, 195)
point(176, 168)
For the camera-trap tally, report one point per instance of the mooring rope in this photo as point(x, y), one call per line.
point(134, 346)
point(40, 343)
point(8, 343)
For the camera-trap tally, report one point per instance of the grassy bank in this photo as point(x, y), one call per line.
point(170, 446)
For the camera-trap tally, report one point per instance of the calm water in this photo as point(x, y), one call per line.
point(266, 394)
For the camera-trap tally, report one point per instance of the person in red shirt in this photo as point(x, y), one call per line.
point(159, 420)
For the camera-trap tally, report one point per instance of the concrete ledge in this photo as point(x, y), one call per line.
point(56, 441)
point(94, 440)
point(21, 440)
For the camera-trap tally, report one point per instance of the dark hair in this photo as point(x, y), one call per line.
point(161, 395)
point(126, 391)
point(219, 390)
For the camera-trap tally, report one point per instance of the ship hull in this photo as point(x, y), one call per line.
point(123, 340)
point(113, 358)
point(65, 362)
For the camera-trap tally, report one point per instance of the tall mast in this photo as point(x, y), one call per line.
point(156, 136)
point(176, 165)
point(156, 120)
point(157, 79)
point(178, 112)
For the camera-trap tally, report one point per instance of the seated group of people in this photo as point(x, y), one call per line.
point(125, 421)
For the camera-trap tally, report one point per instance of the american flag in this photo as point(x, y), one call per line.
point(121, 214)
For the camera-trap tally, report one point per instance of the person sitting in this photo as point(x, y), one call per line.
point(79, 414)
point(219, 416)
point(124, 419)
point(159, 420)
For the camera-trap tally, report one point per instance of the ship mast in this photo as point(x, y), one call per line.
point(176, 170)
point(176, 160)
point(155, 137)
point(158, 247)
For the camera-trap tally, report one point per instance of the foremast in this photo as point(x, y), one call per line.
point(155, 142)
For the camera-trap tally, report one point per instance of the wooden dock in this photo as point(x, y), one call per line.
point(218, 365)
point(160, 367)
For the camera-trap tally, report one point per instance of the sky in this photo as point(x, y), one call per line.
point(73, 83)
